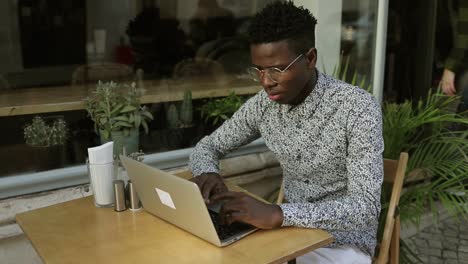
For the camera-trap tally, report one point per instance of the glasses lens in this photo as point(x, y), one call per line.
point(274, 74)
point(254, 73)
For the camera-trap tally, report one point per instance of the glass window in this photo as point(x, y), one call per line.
point(54, 52)
point(357, 36)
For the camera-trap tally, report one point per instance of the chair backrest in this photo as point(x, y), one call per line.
point(105, 71)
point(394, 173)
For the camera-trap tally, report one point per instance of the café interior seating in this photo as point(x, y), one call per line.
point(4, 83)
point(197, 67)
point(104, 71)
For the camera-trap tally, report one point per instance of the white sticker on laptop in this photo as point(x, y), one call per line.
point(165, 198)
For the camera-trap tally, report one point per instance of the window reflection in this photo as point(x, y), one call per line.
point(61, 48)
point(58, 49)
point(357, 36)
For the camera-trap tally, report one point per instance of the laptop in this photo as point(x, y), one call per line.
point(180, 202)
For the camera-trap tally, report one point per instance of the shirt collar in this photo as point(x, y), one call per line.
point(311, 102)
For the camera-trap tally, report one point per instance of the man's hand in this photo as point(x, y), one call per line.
point(241, 207)
point(209, 184)
point(448, 82)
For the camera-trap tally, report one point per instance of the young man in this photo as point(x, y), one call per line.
point(326, 134)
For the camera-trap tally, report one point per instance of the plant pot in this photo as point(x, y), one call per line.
point(190, 136)
point(172, 138)
point(48, 158)
point(208, 128)
point(130, 142)
point(177, 138)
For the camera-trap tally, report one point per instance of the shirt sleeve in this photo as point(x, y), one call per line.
point(458, 54)
point(240, 129)
point(360, 207)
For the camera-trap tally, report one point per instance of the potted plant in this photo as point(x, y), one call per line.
point(47, 142)
point(118, 114)
point(215, 111)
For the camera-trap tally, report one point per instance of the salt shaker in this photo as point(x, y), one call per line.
point(134, 202)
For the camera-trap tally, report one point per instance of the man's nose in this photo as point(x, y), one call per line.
point(266, 81)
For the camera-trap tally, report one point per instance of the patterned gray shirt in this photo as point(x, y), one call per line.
point(330, 149)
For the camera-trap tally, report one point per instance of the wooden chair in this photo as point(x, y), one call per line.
point(394, 174)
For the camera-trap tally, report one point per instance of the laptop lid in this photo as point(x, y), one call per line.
point(171, 198)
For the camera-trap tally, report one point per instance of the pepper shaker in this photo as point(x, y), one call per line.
point(119, 196)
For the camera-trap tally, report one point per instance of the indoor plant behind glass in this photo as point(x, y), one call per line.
point(47, 141)
point(180, 127)
point(117, 114)
point(215, 111)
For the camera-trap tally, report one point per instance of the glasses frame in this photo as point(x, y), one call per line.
point(250, 70)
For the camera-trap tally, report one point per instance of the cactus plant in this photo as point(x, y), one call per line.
point(172, 117)
point(186, 110)
point(182, 118)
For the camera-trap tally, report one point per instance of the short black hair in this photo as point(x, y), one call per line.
point(282, 20)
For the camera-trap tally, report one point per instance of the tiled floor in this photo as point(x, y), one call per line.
point(443, 243)
point(18, 250)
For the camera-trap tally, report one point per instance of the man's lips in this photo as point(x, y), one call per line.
point(274, 97)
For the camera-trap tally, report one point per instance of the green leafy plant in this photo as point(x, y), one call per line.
point(340, 71)
point(40, 134)
point(218, 110)
point(438, 165)
point(116, 107)
point(437, 170)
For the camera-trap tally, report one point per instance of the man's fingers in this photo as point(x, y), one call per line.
point(233, 209)
point(207, 190)
point(209, 184)
point(235, 216)
point(224, 196)
point(448, 88)
point(452, 89)
point(220, 188)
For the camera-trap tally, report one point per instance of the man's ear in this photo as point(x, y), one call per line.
point(311, 57)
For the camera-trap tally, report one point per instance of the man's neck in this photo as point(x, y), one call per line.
point(309, 87)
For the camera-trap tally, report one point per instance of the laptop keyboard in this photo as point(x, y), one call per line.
point(226, 231)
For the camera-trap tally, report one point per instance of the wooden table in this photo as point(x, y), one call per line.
point(66, 98)
point(78, 232)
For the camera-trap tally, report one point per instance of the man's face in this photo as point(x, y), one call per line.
point(291, 86)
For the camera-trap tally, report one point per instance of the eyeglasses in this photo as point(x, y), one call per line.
point(273, 73)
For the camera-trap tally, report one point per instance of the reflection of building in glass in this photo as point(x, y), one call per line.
point(158, 42)
point(209, 22)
